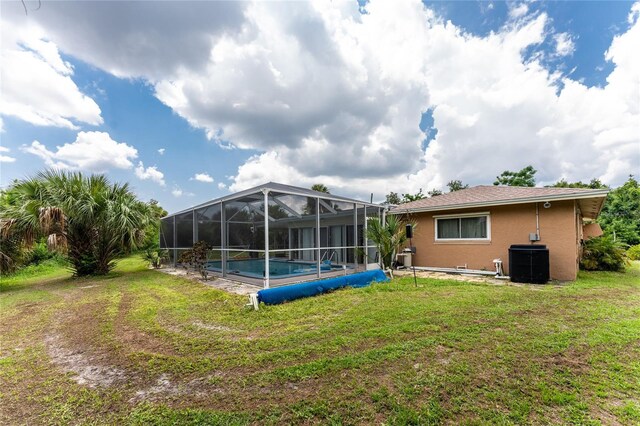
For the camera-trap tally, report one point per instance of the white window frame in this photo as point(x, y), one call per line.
point(462, 216)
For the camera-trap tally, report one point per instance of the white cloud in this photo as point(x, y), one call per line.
point(161, 151)
point(133, 39)
point(5, 158)
point(178, 192)
point(325, 93)
point(222, 185)
point(202, 177)
point(634, 13)
point(91, 151)
point(366, 85)
point(36, 83)
point(150, 173)
point(518, 10)
point(564, 44)
point(493, 111)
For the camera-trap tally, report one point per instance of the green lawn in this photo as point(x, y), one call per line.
point(148, 348)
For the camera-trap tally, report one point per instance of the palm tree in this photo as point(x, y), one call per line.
point(388, 237)
point(90, 218)
point(320, 187)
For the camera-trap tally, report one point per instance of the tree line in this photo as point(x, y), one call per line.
point(90, 222)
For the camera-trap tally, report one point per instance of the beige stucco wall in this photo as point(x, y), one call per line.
point(509, 225)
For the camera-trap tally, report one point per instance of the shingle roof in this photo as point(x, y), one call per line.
point(487, 195)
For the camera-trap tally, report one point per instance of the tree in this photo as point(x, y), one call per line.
point(594, 184)
point(621, 212)
point(320, 187)
point(524, 177)
point(388, 237)
point(393, 198)
point(456, 185)
point(93, 220)
point(407, 198)
point(434, 192)
point(152, 230)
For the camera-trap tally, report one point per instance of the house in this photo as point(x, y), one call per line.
point(472, 227)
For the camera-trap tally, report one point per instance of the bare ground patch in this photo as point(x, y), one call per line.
point(85, 369)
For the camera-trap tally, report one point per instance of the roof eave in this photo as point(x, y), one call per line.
point(563, 197)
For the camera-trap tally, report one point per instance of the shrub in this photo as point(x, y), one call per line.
point(634, 252)
point(39, 253)
point(196, 258)
point(603, 254)
point(155, 257)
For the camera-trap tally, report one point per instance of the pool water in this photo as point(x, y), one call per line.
point(277, 268)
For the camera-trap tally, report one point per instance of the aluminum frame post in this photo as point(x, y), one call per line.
point(175, 243)
point(318, 236)
point(223, 238)
point(266, 237)
point(355, 235)
point(366, 240)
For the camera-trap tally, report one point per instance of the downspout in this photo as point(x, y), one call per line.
point(537, 222)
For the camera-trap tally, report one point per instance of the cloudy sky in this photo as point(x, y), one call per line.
point(189, 101)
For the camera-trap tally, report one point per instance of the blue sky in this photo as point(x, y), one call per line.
point(401, 97)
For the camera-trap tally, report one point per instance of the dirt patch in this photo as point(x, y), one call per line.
point(164, 387)
point(216, 327)
point(229, 286)
point(451, 277)
point(86, 370)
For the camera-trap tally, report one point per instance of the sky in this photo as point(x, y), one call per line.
point(189, 101)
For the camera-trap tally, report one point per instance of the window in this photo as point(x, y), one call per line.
point(476, 226)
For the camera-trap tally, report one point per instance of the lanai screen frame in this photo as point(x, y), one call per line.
point(322, 211)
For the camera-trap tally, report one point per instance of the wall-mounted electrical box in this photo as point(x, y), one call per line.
point(534, 237)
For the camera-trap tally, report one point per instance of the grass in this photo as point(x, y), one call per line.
point(156, 349)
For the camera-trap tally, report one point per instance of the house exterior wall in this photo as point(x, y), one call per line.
point(509, 225)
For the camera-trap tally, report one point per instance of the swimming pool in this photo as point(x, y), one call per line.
point(278, 268)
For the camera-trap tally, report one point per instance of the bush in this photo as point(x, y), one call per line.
point(39, 253)
point(196, 258)
point(155, 257)
point(603, 254)
point(634, 252)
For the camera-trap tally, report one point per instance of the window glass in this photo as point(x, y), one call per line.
point(448, 228)
point(463, 228)
point(473, 227)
